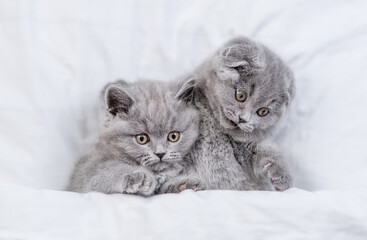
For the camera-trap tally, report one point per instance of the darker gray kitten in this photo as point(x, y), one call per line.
point(241, 92)
point(150, 127)
point(248, 88)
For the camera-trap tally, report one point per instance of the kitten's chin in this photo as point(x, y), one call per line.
point(160, 166)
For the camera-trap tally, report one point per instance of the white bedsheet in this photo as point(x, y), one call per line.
point(55, 56)
point(294, 214)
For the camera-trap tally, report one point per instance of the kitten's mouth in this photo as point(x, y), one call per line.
point(232, 122)
point(244, 127)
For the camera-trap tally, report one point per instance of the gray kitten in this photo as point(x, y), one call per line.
point(241, 92)
point(150, 127)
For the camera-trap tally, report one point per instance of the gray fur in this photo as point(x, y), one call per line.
point(253, 68)
point(118, 163)
point(231, 152)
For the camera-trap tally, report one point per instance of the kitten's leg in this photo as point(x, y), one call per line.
point(113, 176)
point(269, 163)
point(180, 183)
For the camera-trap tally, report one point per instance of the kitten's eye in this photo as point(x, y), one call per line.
point(240, 96)
point(142, 138)
point(240, 69)
point(173, 136)
point(262, 112)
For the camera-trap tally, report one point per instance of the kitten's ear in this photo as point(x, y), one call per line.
point(246, 57)
point(186, 90)
point(117, 99)
point(290, 87)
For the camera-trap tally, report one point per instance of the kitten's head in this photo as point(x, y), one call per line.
point(248, 87)
point(152, 123)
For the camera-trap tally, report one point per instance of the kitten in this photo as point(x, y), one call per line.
point(149, 128)
point(241, 92)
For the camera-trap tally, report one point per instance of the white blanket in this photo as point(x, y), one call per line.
point(294, 214)
point(55, 56)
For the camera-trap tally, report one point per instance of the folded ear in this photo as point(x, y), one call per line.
point(247, 58)
point(290, 87)
point(117, 99)
point(186, 90)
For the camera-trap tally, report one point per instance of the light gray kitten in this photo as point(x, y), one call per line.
point(150, 127)
point(241, 92)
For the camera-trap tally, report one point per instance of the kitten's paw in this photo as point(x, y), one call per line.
point(183, 184)
point(193, 184)
point(140, 183)
point(279, 175)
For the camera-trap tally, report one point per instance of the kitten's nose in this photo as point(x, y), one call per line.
point(241, 120)
point(160, 155)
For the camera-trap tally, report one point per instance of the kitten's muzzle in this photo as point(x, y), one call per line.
point(228, 119)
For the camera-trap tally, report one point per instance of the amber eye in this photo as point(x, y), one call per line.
point(240, 96)
point(142, 138)
point(173, 136)
point(262, 112)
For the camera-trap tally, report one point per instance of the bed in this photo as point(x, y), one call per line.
point(56, 56)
